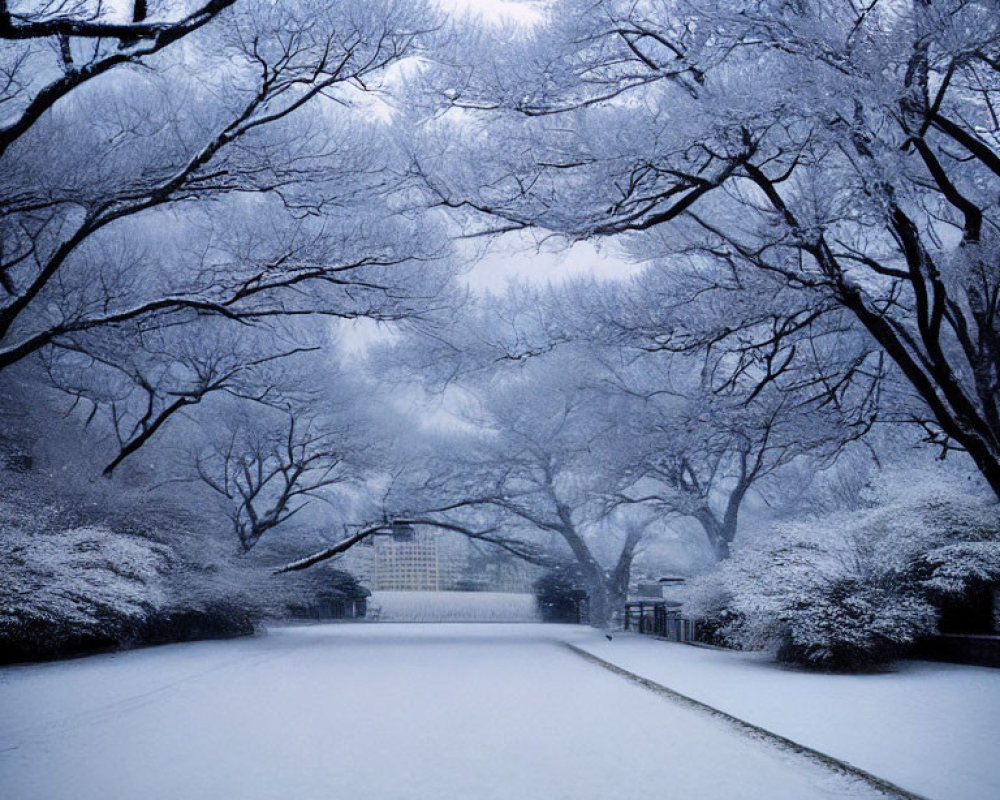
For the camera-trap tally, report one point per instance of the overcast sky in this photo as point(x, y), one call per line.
point(523, 257)
point(501, 11)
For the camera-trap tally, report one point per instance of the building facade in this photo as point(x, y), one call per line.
point(437, 561)
point(414, 566)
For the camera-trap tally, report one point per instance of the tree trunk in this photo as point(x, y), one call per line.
point(720, 533)
point(601, 600)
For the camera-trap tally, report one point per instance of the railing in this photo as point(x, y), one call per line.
point(655, 618)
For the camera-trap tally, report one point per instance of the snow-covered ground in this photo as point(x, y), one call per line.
point(930, 728)
point(452, 607)
point(380, 712)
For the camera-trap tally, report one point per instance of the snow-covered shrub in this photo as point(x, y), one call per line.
point(952, 569)
point(963, 553)
point(708, 600)
point(67, 590)
point(87, 563)
point(86, 569)
point(210, 591)
point(320, 592)
point(822, 599)
point(845, 591)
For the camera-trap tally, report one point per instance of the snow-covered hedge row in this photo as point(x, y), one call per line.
point(88, 563)
point(89, 571)
point(67, 590)
point(76, 590)
point(86, 575)
point(845, 591)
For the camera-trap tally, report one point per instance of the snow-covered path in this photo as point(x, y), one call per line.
point(377, 712)
point(929, 728)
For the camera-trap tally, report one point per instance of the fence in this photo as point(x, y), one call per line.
point(656, 618)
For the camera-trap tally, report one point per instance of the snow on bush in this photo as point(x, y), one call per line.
point(77, 587)
point(84, 570)
point(962, 550)
point(819, 598)
point(952, 568)
point(845, 591)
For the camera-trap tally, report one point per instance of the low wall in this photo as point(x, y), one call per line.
point(389, 606)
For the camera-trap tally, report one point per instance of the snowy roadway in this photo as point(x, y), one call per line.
point(374, 712)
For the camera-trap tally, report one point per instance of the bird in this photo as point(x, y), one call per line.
point(608, 636)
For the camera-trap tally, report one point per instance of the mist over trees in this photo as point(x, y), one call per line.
point(850, 153)
point(234, 239)
point(171, 172)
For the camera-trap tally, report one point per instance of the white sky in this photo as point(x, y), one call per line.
point(524, 12)
point(519, 257)
point(516, 257)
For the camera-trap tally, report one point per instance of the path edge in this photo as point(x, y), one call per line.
point(753, 731)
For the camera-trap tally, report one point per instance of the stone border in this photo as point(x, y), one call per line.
point(754, 731)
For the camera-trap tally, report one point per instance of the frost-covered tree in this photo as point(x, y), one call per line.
point(547, 462)
point(266, 464)
point(93, 564)
point(710, 421)
point(528, 444)
point(691, 430)
point(137, 383)
point(694, 456)
point(850, 152)
point(167, 168)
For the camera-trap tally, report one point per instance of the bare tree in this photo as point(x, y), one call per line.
point(266, 475)
point(691, 421)
point(104, 219)
point(703, 463)
point(874, 192)
point(523, 468)
point(139, 381)
point(543, 465)
point(89, 41)
point(712, 412)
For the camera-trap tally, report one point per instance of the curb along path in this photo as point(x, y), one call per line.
point(753, 731)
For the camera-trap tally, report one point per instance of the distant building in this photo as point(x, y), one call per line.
point(428, 562)
point(408, 566)
point(435, 560)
